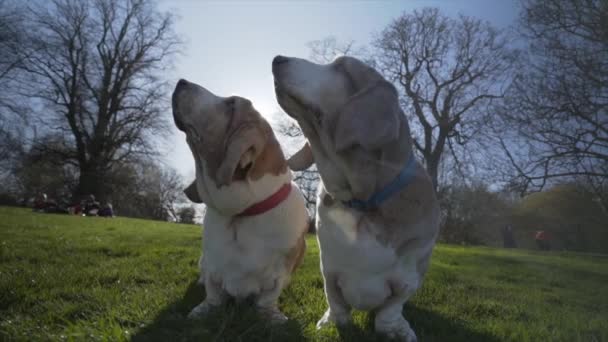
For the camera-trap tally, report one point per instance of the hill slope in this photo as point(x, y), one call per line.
point(80, 278)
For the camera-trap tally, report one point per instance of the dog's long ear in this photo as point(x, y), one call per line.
point(246, 141)
point(370, 118)
point(242, 150)
point(302, 159)
point(192, 193)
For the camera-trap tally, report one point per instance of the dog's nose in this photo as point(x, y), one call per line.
point(181, 83)
point(278, 60)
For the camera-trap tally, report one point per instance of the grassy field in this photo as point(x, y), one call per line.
point(76, 278)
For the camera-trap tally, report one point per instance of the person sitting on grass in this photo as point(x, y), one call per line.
point(40, 202)
point(43, 204)
point(106, 210)
point(91, 206)
point(76, 208)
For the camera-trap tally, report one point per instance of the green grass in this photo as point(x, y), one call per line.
point(76, 278)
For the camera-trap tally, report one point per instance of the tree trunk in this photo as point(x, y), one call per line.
point(432, 167)
point(90, 182)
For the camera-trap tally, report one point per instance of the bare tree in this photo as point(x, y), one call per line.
point(186, 215)
point(12, 113)
point(170, 192)
point(474, 214)
point(559, 100)
point(325, 50)
point(36, 171)
point(449, 71)
point(144, 188)
point(96, 67)
point(11, 40)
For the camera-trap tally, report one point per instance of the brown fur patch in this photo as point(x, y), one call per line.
point(296, 254)
point(270, 161)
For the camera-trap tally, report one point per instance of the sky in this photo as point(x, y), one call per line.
point(229, 45)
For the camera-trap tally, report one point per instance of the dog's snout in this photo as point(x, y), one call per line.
point(181, 83)
point(278, 60)
point(174, 103)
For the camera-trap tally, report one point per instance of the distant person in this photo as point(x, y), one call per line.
point(107, 210)
point(40, 202)
point(91, 206)
point(508, 239)
point(43, 204)
point(77, 208)
point(542, 240)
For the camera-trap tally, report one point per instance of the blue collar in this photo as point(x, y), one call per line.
point(400, 182)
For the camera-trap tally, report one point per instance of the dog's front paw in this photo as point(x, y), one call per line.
point(200, 310)
point(330, 317)
point(398, 329)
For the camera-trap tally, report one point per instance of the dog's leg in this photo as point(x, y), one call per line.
point(201, 277)
point(338, 311)
point(215, 297)
point(389, 319)
point(266, 302)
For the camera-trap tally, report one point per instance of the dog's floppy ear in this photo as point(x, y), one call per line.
point(192, 193)
point(242, 150)
point(245, 141)
point(370, 118)
point(302, 159)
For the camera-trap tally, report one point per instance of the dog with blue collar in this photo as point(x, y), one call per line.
point(377, 214)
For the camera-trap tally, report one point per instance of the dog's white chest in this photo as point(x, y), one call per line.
point(347, 246)
point(363, 266)
point(249, 255)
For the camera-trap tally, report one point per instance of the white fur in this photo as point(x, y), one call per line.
point(364, 283)
point(248, 255)
point(371, 261)
point(359, 271)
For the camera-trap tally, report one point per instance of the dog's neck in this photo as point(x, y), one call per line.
point(267, 175)
point(268, 203)
point(400, 182)
point(388, 163)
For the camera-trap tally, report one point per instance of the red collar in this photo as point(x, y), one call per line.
point(269, 203)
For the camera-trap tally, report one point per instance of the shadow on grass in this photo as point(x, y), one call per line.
point(431, 326)
point(428, 325)
point(231, 322)
point(240, 322)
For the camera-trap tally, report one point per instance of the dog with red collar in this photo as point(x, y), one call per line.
point(256, 219)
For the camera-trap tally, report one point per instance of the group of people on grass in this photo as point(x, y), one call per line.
point(86, 207)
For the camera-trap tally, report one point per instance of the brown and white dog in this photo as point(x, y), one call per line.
point(256, 220)
point(377, 214)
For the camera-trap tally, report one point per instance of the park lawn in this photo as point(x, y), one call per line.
point(81, 278)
